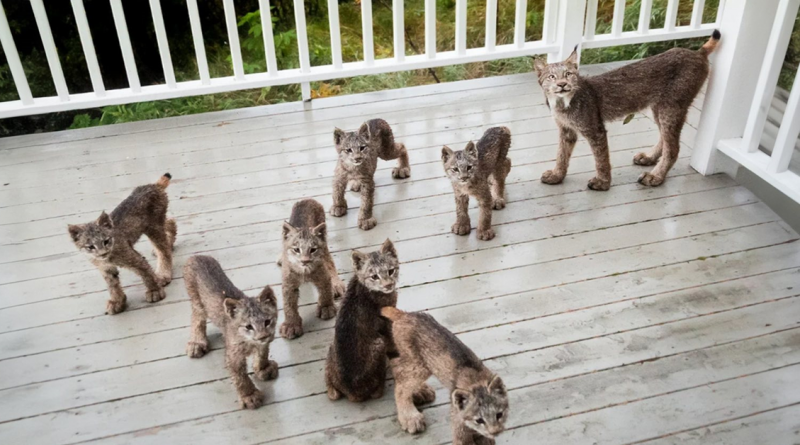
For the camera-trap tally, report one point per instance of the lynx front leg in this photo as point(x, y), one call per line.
point(292, 326)
point(485, 231)
point(325, 307)
point(118, 301)
point(670, 123)
point(339, 207)
point(598, 140)
point(463, 224)
point(136, 262)
point(198, 342)
point(365, 219)
point(249, 396)
point(407, 382)
point(567, 139)
point(263, 368)
point(403, 169)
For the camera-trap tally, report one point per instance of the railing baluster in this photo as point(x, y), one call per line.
point(50, 50)
point(697, 13)
point(199, 45)
point(336, 34)
point(88, 48)
point(550, 25)
point(491, 24)
point(720, 10)
point(672, 15)
point(644, 16)
point(233, 39)
point(163, 45)
point(461, 27)
point(770, 70)
point(591, 20)
point(12, 56)
point(519, 23)
point(619, 17)
point(430, 28)
point(269, 39)
point(125, 45)
point(302, 35)
point(366, 31)
point(398, 24)
point(788, 133)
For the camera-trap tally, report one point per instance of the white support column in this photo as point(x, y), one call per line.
point(336, 34)
point(398, 26)
point(233, 39)
point(732, 80)
point(366, 31)
point(125, 45)
point(88, 48)
point(269, 39)
point(491, 24)
point(519, 22)
point(461, 27)
point(163, 45)
point(570, 29)
point(430, 28)
point(781, 31)
point(14, 64)
point(644, 16)
point(199, 45)
point(50, 50)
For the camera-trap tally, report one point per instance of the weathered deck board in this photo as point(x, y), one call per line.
point(657, 304)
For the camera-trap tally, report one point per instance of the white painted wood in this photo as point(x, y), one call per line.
point(305, 91)
point(654, 35)
point(461, 27)
point(697, 13)
point(644, 16)
point(430, 29)
point(366, 32)
point(570, 29)
point(398, 30)
point(672, 15)
point(491, 24)
point(551, 20)
point(269, 39)
point(87, 44)
point(302, 41)
point(519, 21)
point(46, 34)
point(787, 182)
point(591, 20)
point(336, 33)
point(618, 19)
point(233, 39)
point(12, 58)
point(163, 44)
point(199, 45)
point(786, 139)
point(720, 11)
point(774, 54)
point(125, 46)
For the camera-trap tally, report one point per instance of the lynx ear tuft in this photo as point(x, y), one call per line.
point(74, 231)
point(267, 296)
point(573, 57)
point(364, 132)
point(288, 229)
point(539, 64)
point(497, 386)
point(105, 221)
point(320, 230)
point(460, 399)
point(358, 259)
point(231, 306)
point(338, 136)
point(447, 153)
point(471, 150)
point(387, 248)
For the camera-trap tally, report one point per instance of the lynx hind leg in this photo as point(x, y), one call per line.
point(670, 122)
point(652, 157)
point(162, 244)
point(424, 394)
point(333, 393)
point(409, 377)
point(198, 341)
point(403, 169)
point(171, 227)
point(498, 184)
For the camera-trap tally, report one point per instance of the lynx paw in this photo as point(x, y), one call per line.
point(414, 423)
point(291, 330)
point(115, 306)
point(326, 312)
point(164, 280)
point(650, 179)
point(339, 210)
point(424, 395)
point(196, 349)
point(367, 224)
point(401, 172)
point(252, 401)
point(643, 159)
point(154, 295)
point(550, 177)
point(499, 204)
point(461, 228)
point(333, 393)
point(599, 184)
point(268, 373)
point(354, 185)
point(486, 234)
point(339, 289)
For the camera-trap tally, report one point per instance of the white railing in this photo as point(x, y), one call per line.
point(564, 28)
point(741, 92)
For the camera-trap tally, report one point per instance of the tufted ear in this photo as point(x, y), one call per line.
point(231, 306)
point(288, 229)
point(573, 58)
point(74, 231)
point(320, 231)
point(539, 64)
point(364, 132)
point(358, 259)
point(387, 248)
point(471, 150)
point(460, 399)
point(267, 296)
point(447, 153)
point(497, 386)
point(338, 136)
point(105, 221)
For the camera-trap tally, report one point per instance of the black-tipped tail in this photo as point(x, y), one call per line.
point(712, 43)
point(163, 181)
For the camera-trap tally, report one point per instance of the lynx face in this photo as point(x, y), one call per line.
point(95, 238)
point(378, 271)
point(353, 146)
point(254, 318)
point(558, 80)
point(460, 166)
point(483, 409)
point(303, 248)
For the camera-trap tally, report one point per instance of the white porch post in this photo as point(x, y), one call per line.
point(745, 28)
point(570, 29)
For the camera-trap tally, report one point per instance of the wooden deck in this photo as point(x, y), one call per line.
point(639, 315)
